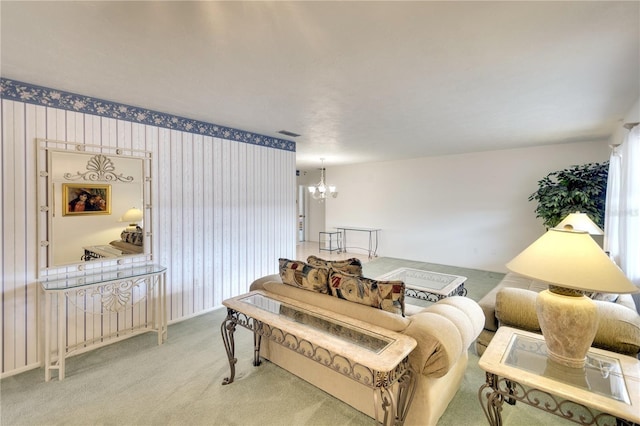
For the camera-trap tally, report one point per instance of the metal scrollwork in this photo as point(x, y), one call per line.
point(421, 294)
point(227, 329)
point(99, 168)
point(114, 297)
point(498, 390)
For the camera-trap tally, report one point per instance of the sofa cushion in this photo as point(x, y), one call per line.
point(302, 275)
point(618, 328)
point(386, 295)
point(516, 307)
point(510, 280)
point(363, 313)
point(349, 266)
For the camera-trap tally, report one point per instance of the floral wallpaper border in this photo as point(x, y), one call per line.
point(38, 95)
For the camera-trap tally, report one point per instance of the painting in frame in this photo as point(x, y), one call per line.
point(86, 199)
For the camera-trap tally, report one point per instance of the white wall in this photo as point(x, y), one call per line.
point(223, 212)
point(468, 210)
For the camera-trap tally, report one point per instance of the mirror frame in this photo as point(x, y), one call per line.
point(45, 203)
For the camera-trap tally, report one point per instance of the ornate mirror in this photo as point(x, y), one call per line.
point(94, 205)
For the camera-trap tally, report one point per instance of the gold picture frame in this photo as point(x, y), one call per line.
point(85, 199)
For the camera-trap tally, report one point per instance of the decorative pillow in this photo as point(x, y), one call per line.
point(385, 295)
point(350, 266)
point(605, 297)
point(302, 275)
point(132, 237)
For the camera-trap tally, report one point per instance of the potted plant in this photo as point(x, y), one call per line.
point(576, 189)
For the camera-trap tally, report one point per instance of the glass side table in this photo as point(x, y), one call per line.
point(605, 392)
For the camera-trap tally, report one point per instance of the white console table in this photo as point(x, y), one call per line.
point(135, 295)
point(373, 238)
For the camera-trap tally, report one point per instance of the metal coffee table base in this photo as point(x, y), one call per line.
point(434, 297)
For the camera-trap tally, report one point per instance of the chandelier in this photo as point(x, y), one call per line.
point(321, 190)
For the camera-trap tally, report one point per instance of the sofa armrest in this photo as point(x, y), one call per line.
point(259, 283)
point(444, 331)
point(516, 307)
point(510, 280)
point(618, 328)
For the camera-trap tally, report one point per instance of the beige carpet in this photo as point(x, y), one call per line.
point(136, 382)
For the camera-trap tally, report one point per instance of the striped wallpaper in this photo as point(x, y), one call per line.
point(223, 212)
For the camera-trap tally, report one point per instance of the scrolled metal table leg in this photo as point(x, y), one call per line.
point(406, 389)
point(257, 339)
point(227, 329)
point(388, 406)
point(492, 403)
point(395, 407)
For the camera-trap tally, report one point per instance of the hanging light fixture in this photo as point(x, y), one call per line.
point(322, 190)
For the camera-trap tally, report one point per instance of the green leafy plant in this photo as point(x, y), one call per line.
point(576, 189)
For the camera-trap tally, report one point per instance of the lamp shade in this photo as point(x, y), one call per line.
point(580, 222)
point(132, 216)
point(571, 259)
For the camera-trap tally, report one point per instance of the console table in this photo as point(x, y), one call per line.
point(373, 238)
point(605, 392)
point(325, 237)
point(110, 293)
point(376, 358)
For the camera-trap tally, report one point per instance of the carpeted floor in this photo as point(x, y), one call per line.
point(136, 382)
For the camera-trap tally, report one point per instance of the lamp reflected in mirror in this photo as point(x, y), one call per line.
point(133, 216)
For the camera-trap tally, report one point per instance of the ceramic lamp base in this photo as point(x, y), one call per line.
point(569, 321)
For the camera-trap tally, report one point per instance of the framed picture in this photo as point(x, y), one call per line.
point(85, 199)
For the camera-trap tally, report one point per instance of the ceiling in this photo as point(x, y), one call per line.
point(359, 81)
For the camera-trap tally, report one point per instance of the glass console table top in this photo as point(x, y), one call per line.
point(601, 374)
point(98, 276)
point(363, 338)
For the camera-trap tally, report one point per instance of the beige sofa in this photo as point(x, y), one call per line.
point(512, 303)
point(444, 332)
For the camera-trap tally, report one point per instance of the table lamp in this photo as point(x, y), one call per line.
point(133, 216)
point(571, 262)
point(580, 222)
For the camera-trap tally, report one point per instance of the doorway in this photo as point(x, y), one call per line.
point(301, 212)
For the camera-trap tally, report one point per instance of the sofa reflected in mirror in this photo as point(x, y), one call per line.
point(130, 243)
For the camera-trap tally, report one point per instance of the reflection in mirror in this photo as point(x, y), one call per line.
point(86, 203)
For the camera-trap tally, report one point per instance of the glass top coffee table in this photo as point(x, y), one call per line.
point(606, 391)
point(427, 285)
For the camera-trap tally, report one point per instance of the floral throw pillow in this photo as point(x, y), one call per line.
point(132, 237)
point(385, 295)
point(302, 275)
point(350, 266)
